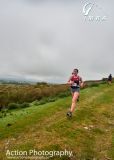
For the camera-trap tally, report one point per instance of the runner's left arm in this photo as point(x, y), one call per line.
point(81, 82)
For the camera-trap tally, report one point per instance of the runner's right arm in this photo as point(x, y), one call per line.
point(70, 82)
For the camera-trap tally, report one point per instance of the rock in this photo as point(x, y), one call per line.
point(9, 124)
point(91, 126)
point(86, 128)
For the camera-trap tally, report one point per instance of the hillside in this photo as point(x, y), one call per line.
point(89, 134)
point(19, 96)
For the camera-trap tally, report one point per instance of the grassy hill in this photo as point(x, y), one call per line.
point(89, 134)
point(20, 95)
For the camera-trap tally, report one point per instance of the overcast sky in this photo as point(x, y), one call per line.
point(46, 39)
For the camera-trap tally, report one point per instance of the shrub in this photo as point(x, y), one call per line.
point(63, 94)
point(36, 102)
point(43, 101)
point(1, 115)
point(13, 106)
point(94, 85)
point(13, 96)
point(52, 99)
point(24, 105)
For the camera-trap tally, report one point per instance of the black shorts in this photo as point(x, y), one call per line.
point(75, 90)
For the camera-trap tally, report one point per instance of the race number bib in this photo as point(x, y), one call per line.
point(74, 84)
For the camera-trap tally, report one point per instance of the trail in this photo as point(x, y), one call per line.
point(89, 134)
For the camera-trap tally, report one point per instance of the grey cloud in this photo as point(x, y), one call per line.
point(48, 39)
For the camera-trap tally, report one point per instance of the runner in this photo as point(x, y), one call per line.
point(75, 82)
point(110, 79)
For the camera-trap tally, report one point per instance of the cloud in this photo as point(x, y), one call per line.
point(46, 40)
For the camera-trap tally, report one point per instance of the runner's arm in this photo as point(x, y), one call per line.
point(81, 82)
point(70, 82)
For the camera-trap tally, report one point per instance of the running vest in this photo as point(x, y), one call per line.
point(76, 80)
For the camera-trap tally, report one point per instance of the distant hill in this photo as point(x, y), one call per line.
point(15, 80)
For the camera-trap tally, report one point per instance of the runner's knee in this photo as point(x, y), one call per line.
point(73, 100)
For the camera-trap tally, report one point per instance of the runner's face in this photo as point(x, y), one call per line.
point(75, 72)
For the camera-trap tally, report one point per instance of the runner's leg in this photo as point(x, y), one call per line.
point(74, 100)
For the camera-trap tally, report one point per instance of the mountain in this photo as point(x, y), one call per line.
point(16, 80)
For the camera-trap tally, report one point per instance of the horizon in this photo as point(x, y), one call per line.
point(23, 80)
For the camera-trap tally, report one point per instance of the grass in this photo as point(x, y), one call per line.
point(89, 134)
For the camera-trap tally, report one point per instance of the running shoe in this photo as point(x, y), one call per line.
point(69, 114)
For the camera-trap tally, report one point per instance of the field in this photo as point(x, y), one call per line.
point(89, 134)
point(16, 95)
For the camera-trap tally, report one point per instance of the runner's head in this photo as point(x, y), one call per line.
point(75, 71)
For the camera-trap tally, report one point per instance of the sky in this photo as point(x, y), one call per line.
point(45, 40)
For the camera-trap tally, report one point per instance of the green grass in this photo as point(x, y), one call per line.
point(89, 134)
point(111, 151)
point(21, 119)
